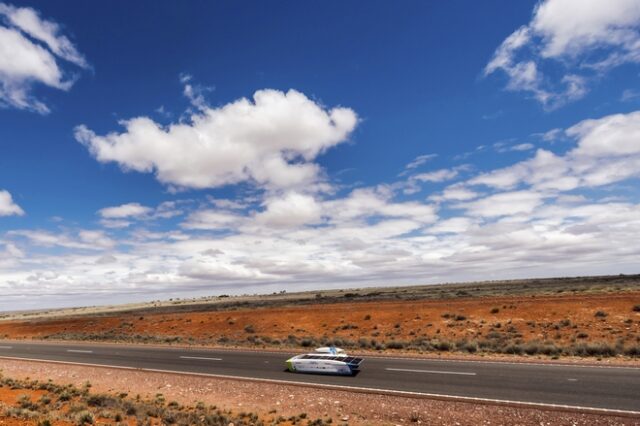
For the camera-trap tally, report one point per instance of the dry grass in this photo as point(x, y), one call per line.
point(46, 403)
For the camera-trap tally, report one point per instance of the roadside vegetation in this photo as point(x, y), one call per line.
point(47, 404)
point(498, 338)
point(595, 317)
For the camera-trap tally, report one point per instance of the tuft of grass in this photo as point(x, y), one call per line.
point(85, 417)
point(601, 314)
point(636, 308)
point(495, 310)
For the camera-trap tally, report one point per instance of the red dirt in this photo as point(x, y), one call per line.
point(533, 318)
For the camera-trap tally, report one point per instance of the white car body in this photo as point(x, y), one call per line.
point(325, 361)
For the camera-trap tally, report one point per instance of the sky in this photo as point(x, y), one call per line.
point(162, 149)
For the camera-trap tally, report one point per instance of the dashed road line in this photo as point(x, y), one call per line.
point(79, 351)
point(576, 408)
point(201, 357)
point(409, 370)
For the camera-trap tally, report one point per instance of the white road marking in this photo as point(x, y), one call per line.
point(201, 357)
point(572, 380)
point(362, 389)
point(524, 362)
point(6, 347)
point(79, 351)
point(460, 373)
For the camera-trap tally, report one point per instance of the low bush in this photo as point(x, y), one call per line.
point(593, 349)
point(394, 344)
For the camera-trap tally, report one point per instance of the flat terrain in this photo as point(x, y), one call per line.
point(613, 388)
point(37, 403)
point(583, 317)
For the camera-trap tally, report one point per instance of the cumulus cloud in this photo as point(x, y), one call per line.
point(607, 151)
point(32, 50)
point(7, 206)
point(291, 210)
point(584, 37)
point(270, 140)
point(536, 217)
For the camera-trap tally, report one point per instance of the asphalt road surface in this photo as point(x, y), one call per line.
point(614, 388)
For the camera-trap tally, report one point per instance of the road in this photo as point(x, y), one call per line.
point(613, 388)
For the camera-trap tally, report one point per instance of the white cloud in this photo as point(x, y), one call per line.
point(436, 176)
point(270, 141)
point(366, 237)
point(83, 239)
point(534, 217)
point(629, 94)
point(571, 27)
point(505, 204)
point(291, 210)
point(607, 151)
point(412, 184)
point(522, 147)
point(503, 147)
point(29, 46)
point(613, 135)
point(212, 220)
point(579, 35)
point(551, 135)
point(124, 211)
point(545, 171)
point(455, 192)
point(7, 206)
point(365, 203)
point(456, 225)
point(420, 160)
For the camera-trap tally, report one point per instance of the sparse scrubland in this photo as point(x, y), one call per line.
point(239, 402)
point(581, 317)
point(50, 404)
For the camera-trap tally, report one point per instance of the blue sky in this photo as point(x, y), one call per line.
point(163, 149)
